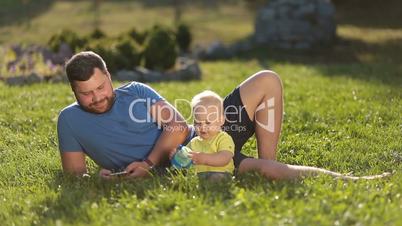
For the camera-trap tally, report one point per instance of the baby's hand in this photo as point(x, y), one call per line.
point(198, 158)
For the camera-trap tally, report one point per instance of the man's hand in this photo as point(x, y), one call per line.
point(137, 170)
point(172, 152)
point(199, 158)
point(105, 174)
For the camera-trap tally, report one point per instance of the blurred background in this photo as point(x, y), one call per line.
point(358, 31)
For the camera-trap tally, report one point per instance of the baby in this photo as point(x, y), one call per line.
point(212, 148)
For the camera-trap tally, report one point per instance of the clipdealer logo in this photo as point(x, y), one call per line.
point(233, 123)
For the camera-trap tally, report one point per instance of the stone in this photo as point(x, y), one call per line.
point(147, 75)
point(188, 69)
point(302, 45)
point(58, 78)
point(217, 50)
point(15, 80)
point(267, 14)
point(325, 8)
point(306, 11)
point(296, 24)
point(241, 46)
point(127, 75)
point(33, 78)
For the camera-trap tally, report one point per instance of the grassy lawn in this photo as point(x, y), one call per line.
point(342, 112)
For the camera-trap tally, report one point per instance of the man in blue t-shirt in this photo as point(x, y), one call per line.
point(130, 128)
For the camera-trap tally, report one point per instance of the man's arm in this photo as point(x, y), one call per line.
point(220, 158)
point(73, 163)
point(175, 131)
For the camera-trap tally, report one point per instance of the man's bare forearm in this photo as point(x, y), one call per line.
point(74, 163)
point(172, 136)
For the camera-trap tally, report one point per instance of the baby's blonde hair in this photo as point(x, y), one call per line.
point(208, 98)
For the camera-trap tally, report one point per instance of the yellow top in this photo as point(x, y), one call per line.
point(221, 142)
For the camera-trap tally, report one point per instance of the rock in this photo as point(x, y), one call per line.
point(15, 80)
point(127, 75)
point(217, 50)
point(296, 24)
point(155, 76)
point(58, 78)
point(188, 69)
point(325, 8)
point(267, 14)
point(147, 75)
point(242, 46)
point(185, 69)
point(33, 78)
point(305, 12)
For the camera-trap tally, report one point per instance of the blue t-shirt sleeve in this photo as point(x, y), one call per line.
point(145, 91)
point(67, 141)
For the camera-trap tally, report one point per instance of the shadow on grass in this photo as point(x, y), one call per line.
point(22, 12)
point(72, 192)
point(378, 63)
point(209, 4)
point(76, 195)
point(369, 13)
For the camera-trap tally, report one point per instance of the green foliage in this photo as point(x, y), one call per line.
point(68, 37)
point(97, 34)
point(105, 49)
point(125, 52)
point(128, 53)
point(183, 37)
point(138, 36)
point(160, 49)
point(121, 53)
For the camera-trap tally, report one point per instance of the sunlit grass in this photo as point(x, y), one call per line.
point(332, 120)
point(340, 115)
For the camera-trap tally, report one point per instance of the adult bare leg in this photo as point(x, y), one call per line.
point(274, 170)
point(261, 95)
point(262, 98)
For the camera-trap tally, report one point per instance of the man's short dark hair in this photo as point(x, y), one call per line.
point(81, 66)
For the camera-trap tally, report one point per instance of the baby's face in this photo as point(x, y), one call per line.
point(207, 121)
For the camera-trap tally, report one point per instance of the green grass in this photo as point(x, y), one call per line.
point(332, 120)
point(342, 112)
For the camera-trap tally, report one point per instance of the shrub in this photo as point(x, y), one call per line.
point(66, 36)
point(138, 36)
point(122, 53)
point(128, 53)
point(160, 50)
point(105, 49)
point(97, 34)
point(183, 37)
